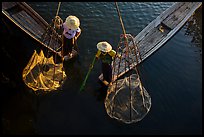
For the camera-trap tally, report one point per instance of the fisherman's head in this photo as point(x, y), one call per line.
point(104, 47)
point(72, 22)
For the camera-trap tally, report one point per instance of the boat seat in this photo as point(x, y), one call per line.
point(165, 26)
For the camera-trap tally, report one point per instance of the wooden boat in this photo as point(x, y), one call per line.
point(158, 32)
point(25, 18)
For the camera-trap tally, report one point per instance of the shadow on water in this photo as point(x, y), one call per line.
point(101, 92)
point(14, 93)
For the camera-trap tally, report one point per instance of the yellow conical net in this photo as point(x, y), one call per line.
point(42, 73)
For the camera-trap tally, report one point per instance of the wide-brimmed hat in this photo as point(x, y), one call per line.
point(72, 22)
point(104, 46)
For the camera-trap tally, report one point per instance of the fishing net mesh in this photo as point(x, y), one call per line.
point(42, 73)
point(127, 100)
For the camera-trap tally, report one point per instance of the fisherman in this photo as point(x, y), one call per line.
point(71, 32)
point(106, 54)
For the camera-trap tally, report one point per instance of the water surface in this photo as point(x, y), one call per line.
point(172, 76)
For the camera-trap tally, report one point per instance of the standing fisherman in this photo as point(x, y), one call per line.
point(106, 54)
point(71, 32)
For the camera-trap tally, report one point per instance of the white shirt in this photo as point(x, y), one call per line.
point(69, 33)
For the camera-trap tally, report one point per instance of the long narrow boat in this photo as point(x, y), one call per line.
point(158, 32)
point(28, 20)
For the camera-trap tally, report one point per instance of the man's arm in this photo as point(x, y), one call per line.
point(78, 33)
point(98, 54)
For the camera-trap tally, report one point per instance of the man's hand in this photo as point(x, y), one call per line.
point(119, 55)
point(75, 38)
point(110, 84)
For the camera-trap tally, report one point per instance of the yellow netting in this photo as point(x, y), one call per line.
point(42, 73)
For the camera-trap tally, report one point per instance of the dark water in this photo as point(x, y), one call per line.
point(172, 76)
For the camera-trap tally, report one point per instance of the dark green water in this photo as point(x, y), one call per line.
point(172, 76)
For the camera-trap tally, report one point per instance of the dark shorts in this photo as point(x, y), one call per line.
point(67, 46)
point(107, 72)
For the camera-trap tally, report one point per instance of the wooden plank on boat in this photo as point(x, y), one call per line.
point(151, 38)
point(34, 14)
point(22, 15)
point(8, 5)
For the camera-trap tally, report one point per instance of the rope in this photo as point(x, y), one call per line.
point(59, 4)
point(58, 8)
point(52, 37)
point(121, 21)
point(126, 42)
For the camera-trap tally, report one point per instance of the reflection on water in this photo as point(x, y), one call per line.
point(194, 28)
point(172, 76)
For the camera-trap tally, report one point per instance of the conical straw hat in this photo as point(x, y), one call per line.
point(104, 46)
point(72, 22)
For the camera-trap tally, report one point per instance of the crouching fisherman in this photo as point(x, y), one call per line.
point(71, 32)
